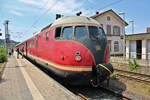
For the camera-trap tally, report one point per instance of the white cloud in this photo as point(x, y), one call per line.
point(65, 7)
point(33, 2)
point(16, 13)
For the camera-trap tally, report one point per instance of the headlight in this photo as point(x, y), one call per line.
point(78, 57)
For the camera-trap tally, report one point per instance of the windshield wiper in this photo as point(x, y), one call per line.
point(94, 36)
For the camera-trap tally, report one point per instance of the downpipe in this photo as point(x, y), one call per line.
point(101, 72)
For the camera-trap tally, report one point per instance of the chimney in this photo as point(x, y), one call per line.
point(97, 13)
point(148, 29)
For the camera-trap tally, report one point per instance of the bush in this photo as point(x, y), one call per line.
point(3, 55)
point(114, 75)
point(133, 65)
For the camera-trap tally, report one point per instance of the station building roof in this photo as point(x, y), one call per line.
point(139, 36)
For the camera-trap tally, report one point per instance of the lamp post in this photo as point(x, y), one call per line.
point(124, 40)
point(132, 28)
point(0, 33)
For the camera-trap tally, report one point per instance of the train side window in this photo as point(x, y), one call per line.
point(37, 43)
point(102, 33)
point(58, 32)
point(30, 44)
point(80, 31)
point(47, 36)
point(67, 32)
point(33, 43)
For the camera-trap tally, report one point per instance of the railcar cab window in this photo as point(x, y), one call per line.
point(93, 32)
point(96, 32)
point(47, 36)
point(102, 33)
point(80, 31)
point(67, 32)
point(58, 32)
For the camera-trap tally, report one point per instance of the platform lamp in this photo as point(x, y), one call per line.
point(0, 33)
point(124, 40)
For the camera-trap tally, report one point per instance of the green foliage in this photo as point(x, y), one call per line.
point(148, 90)
point(3, 55)
point(114, 75)
point(133, 65)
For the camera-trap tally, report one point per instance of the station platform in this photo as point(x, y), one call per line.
point(22, 80)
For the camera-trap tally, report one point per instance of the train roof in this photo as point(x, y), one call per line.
point(74, 19)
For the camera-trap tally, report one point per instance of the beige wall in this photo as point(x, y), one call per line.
point(113, 22)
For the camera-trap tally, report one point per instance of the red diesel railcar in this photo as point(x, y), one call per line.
point(74, 48)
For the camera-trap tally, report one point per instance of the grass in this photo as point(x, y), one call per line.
point(148, 90)
point(0, 70)
point(1, 65)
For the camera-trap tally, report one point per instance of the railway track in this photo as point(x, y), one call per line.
point(98, 93)
point(133, 75)
point(88, 92)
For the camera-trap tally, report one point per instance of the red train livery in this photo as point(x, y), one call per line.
point(74, 48)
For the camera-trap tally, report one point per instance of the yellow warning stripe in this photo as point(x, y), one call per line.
point(106, 68)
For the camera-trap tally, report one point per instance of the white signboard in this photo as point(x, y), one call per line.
point(133, 49)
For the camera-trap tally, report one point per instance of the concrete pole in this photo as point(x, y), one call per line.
point(6, 35)
point(132, 28)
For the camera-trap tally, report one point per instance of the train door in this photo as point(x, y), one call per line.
point(26, 48)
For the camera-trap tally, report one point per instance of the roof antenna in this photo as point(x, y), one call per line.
point(79, 13)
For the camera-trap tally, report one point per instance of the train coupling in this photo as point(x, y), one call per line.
point(101, 72)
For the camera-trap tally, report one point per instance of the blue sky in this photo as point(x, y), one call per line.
point(29, 16)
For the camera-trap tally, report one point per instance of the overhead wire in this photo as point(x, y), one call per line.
point(38, 19)
point(108, 5)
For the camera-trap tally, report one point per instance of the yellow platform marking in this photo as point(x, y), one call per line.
point(34, 91)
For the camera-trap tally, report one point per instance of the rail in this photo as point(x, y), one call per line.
point(133, 75)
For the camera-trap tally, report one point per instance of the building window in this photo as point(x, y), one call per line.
point(108, 29)
point(109, 45)
point(116, 46)
point(58, 32)
point(67, 32)
point(116, 30)
point(108, 18)
point(47, 36)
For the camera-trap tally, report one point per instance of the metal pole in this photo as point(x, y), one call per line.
point(132, 28)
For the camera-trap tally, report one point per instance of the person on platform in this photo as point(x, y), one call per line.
point(9, 52)
point(12, 50)
point(17, 53)
point(22, 51)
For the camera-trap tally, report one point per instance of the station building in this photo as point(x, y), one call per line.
point(113, 26)
point(138, 45)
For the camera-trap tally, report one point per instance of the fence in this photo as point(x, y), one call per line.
point(137, 56)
